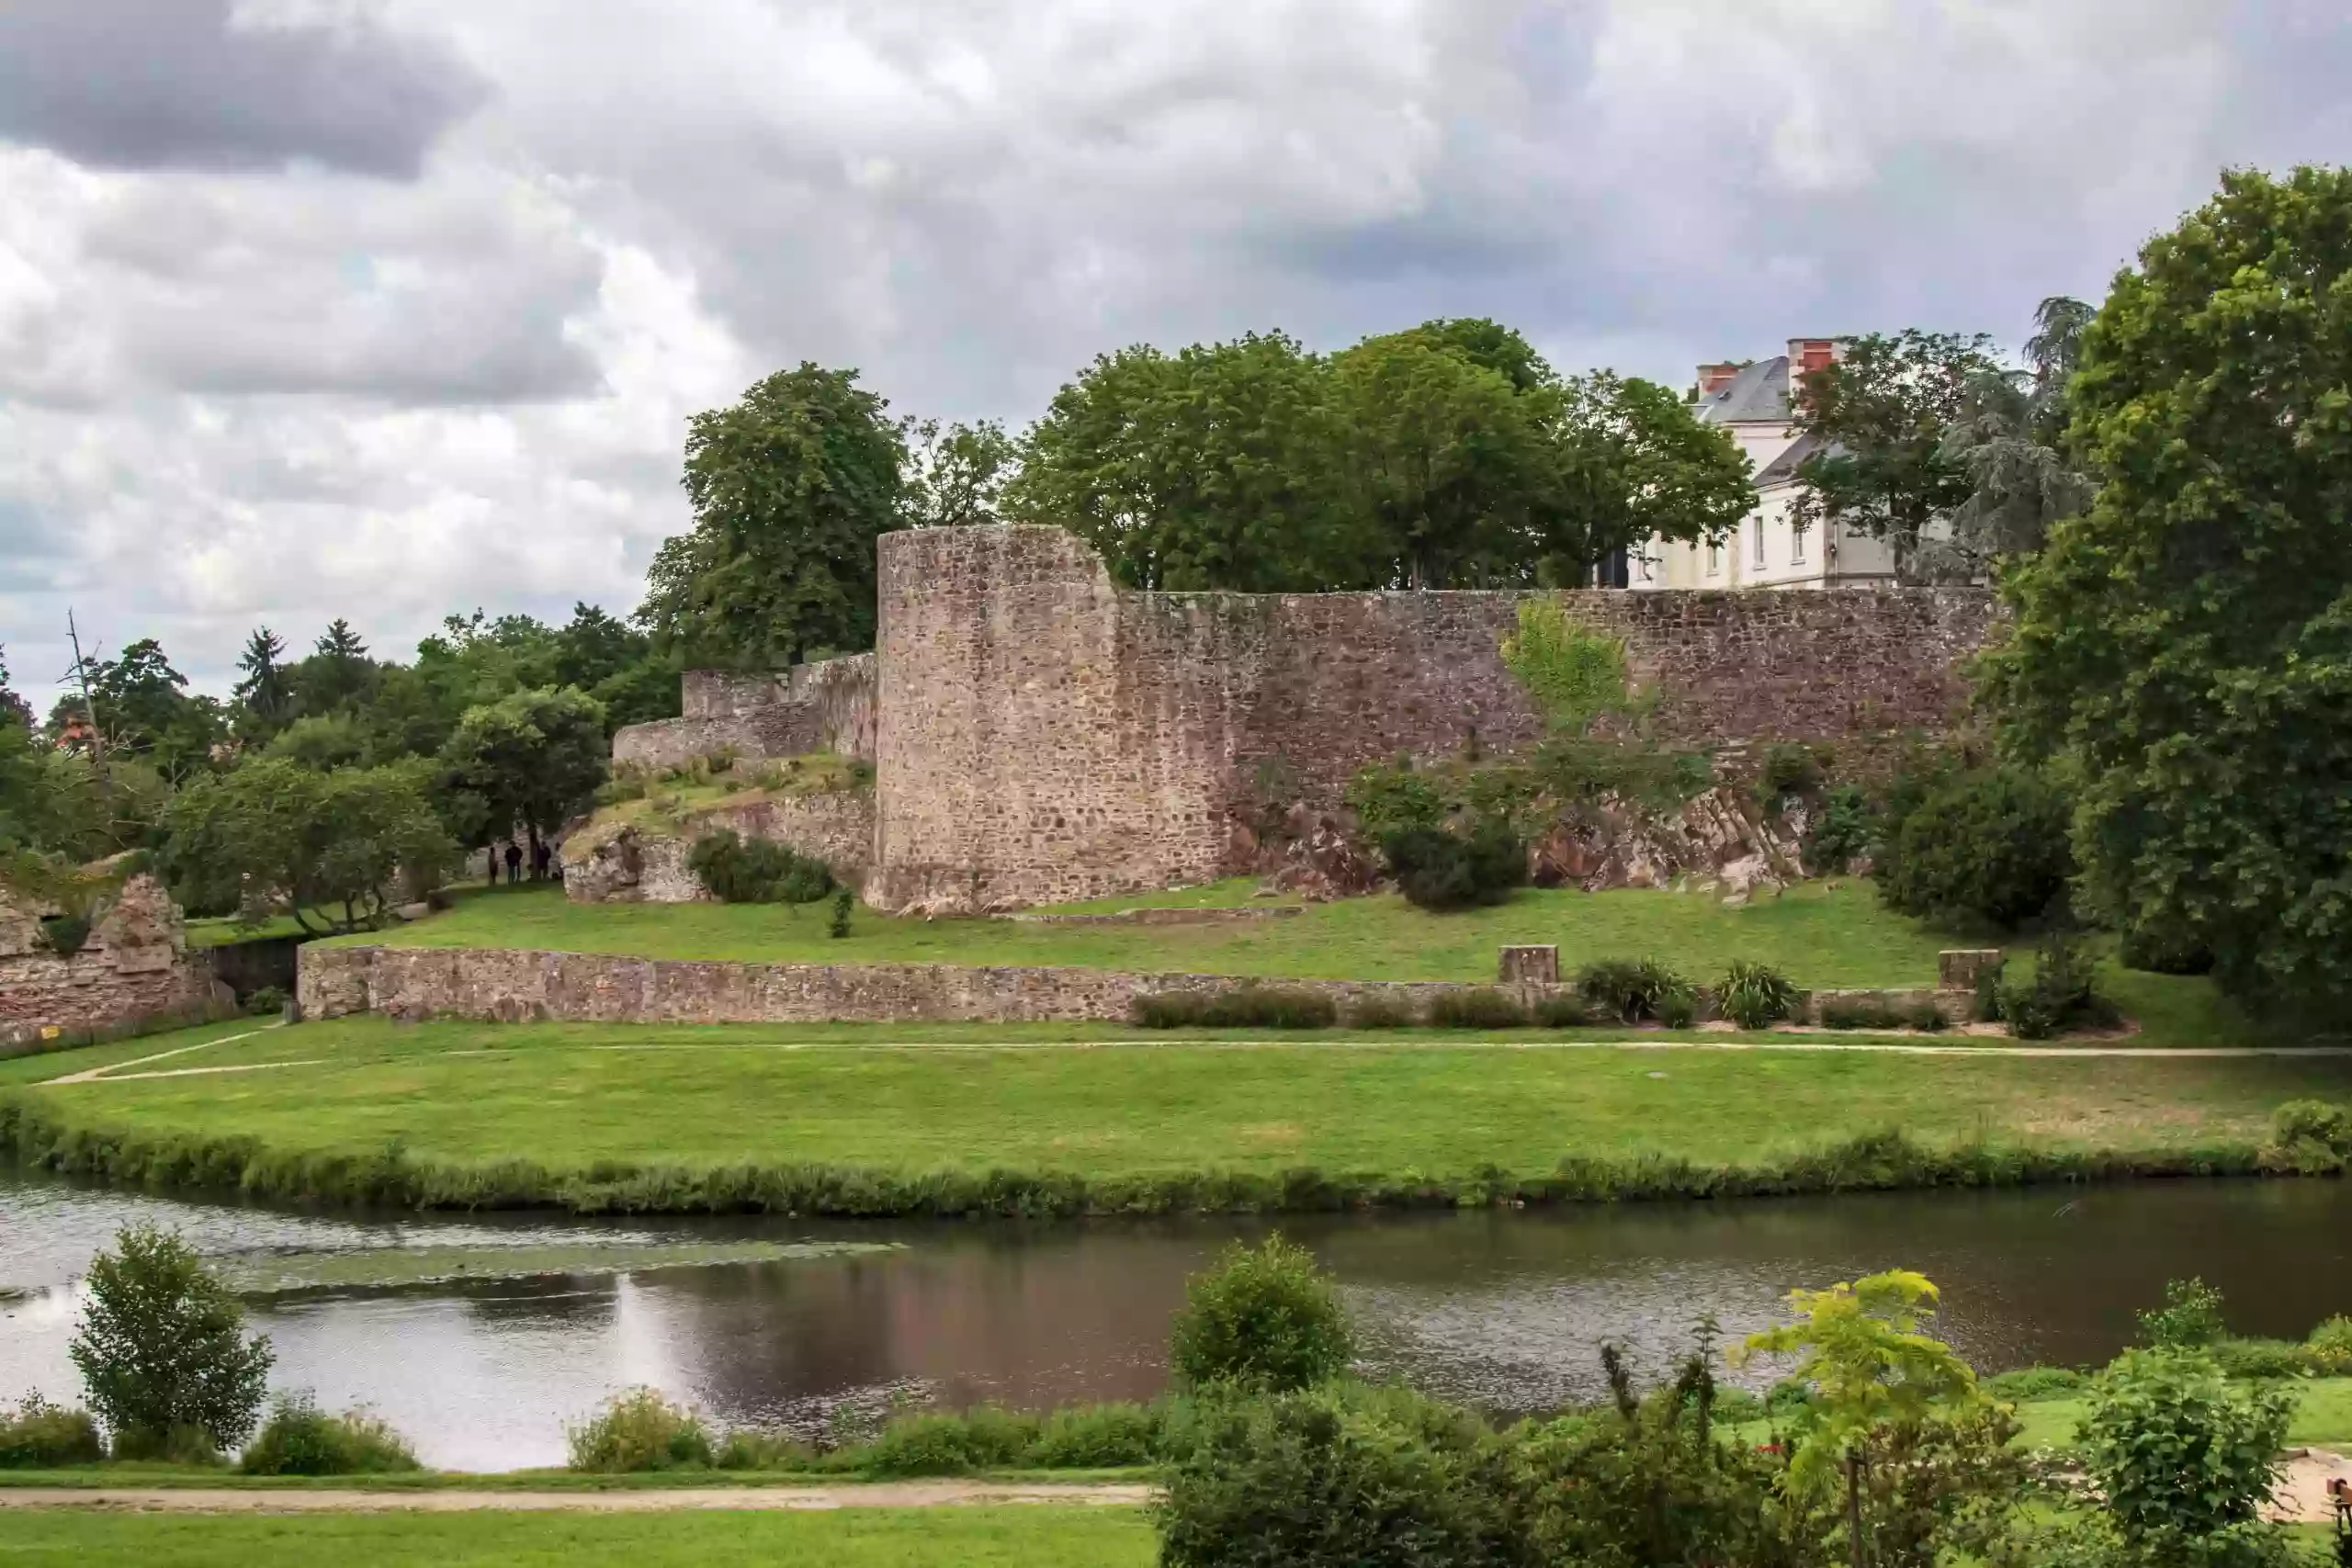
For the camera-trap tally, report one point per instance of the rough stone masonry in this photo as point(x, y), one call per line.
point(1039, 734)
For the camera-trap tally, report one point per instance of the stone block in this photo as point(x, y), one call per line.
point(1530, 965)
point(1963, 968)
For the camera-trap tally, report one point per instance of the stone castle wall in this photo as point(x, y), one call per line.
point(1043, 735)
point(135, 963)
point(825, 706)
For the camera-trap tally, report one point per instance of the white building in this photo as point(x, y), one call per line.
point(1756, 403)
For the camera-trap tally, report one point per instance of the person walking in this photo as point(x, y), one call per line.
point(514, 864)
point(490, 858)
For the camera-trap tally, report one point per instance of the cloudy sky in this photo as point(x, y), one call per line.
point(390, 307)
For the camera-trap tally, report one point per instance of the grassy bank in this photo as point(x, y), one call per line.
point(1023, 1537)
point(1825, 936)
point(771, 1117)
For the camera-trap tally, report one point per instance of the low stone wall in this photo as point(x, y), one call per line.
point(635, 866)
point(135, 963)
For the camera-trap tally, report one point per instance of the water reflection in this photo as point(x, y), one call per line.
point(1503, 1308)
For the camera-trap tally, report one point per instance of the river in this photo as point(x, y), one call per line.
point(1503, 1308)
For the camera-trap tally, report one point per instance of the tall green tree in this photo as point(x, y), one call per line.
point(1636, 464)
point(956, 473)
point(162, 1349)
point(13, 709)
point(144, 709)
point(1222, 466)
point(333, 849)
point(262, 689)
point(2182, 652)
point(1881, 414)
point(791, 486)
point(337, 673)
point(531, 760)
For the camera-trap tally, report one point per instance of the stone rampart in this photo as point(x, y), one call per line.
point(1043, 735)
point(825, 706)
point(134, 962)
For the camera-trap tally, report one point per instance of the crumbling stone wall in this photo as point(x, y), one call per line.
point(637, 865)
point(825, 706)
point(1042, 736)
point(134, 962)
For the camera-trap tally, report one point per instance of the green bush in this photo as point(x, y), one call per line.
point(1243, 1007)
point(1479, 1009)
point(265, 1002)
point(1264, 1319)
point(1755, 996)
point(1630, 990)
point(1380, 1012)
point(1438, 869)
point(844, 902)
point(162, 1349)
point(1561, 1012)
point(2028, 1383)
point(65, 934)
point(2260, 1358)
point(2329, 1348)
point(936, 1443)
point(183, 1444)
point(1791, 768)
point(1099, 1437)
point(744, 1450)
point(1870, 1012)
point(640, 1431)
point(1989, 845)
point(2163, 951)
point(1678, 1010)
point(1840, 833)
point(2191, 1318)
point(1340, 1477)
point(757, 871)
point(2314, 1121)
point(300, 1439)
point(2181, 1457)
point(2061, 995)
point(37, 1435)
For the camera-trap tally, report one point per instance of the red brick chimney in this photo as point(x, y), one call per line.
point(1713, 379)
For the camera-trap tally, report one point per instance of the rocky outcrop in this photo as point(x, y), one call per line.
point(644, 862)
point(1721, 841)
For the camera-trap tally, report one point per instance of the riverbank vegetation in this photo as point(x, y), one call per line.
point(685, 1118)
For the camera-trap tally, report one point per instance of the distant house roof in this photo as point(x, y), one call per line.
point(1758, 394)
point(1783, 469)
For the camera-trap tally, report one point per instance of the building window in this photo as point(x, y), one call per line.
point(1759, 541)
point(1796, 543)
point(1714, 557)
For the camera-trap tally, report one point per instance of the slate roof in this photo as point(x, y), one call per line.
point(1758, 394)
point(1783, 469)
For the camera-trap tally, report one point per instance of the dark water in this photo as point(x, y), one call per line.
point(1501, 1308)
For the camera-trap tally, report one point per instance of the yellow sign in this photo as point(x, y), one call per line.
point(51, 1032)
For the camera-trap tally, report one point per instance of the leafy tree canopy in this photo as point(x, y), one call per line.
point(531, 759)
point(2182, 652)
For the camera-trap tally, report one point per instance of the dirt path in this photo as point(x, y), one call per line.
point(877, 1495)
point(93, 1075)
point(2301, 1496)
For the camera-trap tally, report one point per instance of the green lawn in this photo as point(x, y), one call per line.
point(1823, 936)
point(1028, 1536)
point(2322, 1416)
point(567, 1099)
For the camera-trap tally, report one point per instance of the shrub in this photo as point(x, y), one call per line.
point(300, 1439)
point(1991, 845)
point(184, 1444)
point(640, 1431)
point(1438, 869)
point(1561, 1012)
point(2260, 1358)
point(1339, 1477)
point(2189, 1319)
point(1755, 996)
point(1791, 768)
point(37, 1435)
point(1840, 833)
point(2181, 1456)
point(1630, 989)
point(265, 1001)
point(1264, 1319)
point(65, 934)
point(2329, 1348)
point(2028, 1383)
point(162, 1349)
point(2165, 951)
point(2061, 996)
point(1098, 1437)
point(1678, 1009)
point(1870, 1012)
point(1476, 1010)
point(1380, 1012)
point(744, 1450)
point(2314, 1122)
point(1244, 1006)
point(937, 1443)
point(757, 871)
point(843, 902)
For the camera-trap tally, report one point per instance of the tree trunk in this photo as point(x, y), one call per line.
point(1854, 1504)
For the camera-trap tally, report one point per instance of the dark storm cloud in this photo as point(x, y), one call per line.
point(182, 83)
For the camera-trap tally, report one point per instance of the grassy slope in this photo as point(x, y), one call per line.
point(2322, 1416)
point(1023, 1537)
point(1825, 936)
point(699, 1097)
